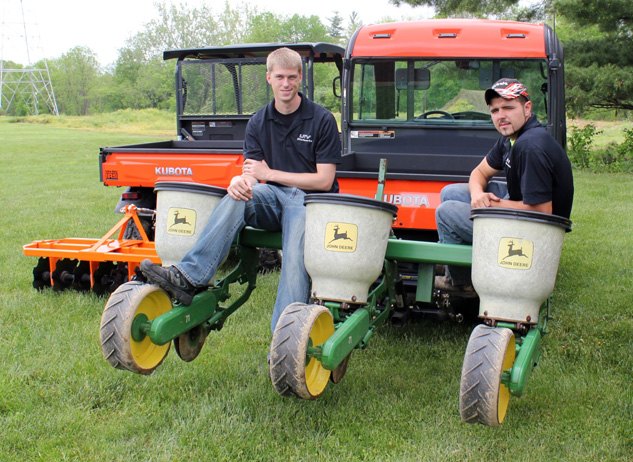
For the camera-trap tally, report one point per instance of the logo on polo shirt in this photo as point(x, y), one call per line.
point(305, 138)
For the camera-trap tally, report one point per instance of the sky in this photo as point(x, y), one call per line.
point(50, 28)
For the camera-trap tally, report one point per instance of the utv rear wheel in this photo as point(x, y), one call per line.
point(132, 232)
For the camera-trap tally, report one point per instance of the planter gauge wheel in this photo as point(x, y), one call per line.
point(124, 340)
point(483, 397)
point(300, 329)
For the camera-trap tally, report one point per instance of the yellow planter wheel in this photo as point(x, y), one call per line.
point(133, 301)
point(483, 398)
point(292, 371)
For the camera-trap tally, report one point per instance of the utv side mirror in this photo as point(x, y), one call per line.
point(336, 86)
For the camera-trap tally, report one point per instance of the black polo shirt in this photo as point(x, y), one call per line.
point(295, 143)
point(536, 167)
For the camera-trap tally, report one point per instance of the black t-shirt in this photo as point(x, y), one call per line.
point(295, 142)
point(536, 167)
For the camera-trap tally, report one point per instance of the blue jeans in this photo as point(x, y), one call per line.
point(273, 208)
point(454, 225)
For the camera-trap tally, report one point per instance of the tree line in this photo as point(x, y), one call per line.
point(139, 78)
point(596, 35)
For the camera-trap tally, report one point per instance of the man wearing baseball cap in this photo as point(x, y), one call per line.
point(537, 171)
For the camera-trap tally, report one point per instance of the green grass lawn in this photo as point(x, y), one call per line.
point(60, 400)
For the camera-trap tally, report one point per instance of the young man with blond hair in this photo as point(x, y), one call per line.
point(291, 148)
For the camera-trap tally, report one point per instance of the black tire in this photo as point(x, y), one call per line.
point(131, 230)
point(299, 326)
point(483, 398)
point(119, 348)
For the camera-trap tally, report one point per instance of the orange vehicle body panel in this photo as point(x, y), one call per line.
point(416, 200)
point(451, 38)
point(146, 168)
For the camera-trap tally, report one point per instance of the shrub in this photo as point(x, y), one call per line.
point(580, 141)
point(615, 157)
point(625, 150)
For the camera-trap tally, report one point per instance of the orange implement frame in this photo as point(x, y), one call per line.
point(96, 251)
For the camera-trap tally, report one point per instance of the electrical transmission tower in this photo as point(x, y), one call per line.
point(28, 88)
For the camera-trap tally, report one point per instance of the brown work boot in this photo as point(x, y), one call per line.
point(445, 283)
point(169, 279)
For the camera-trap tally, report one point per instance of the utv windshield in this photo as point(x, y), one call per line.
point(238, 86)
point(216, 87)
point(437, 92)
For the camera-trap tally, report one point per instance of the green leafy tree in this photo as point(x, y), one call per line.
point(267, 27)
point(177, 26)
point(305, 29)
point(155, 84)
point(444, 8)
point(140, 82)
point(335, 27)
point(183, 26)
point(75, 76)
point(498, 9)
point(142, 79)
point(599, 53)
point(354, 22)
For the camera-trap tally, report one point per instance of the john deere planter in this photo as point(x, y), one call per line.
point(515, 261)
point(362, 276)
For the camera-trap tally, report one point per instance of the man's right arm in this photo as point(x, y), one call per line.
point(241, 187)
point(479, 198)
point(477, 184)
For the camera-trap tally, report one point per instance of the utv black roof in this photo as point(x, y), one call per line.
point(319, 51)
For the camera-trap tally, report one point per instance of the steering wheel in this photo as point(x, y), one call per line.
point(444, 114)
point(471, 115)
